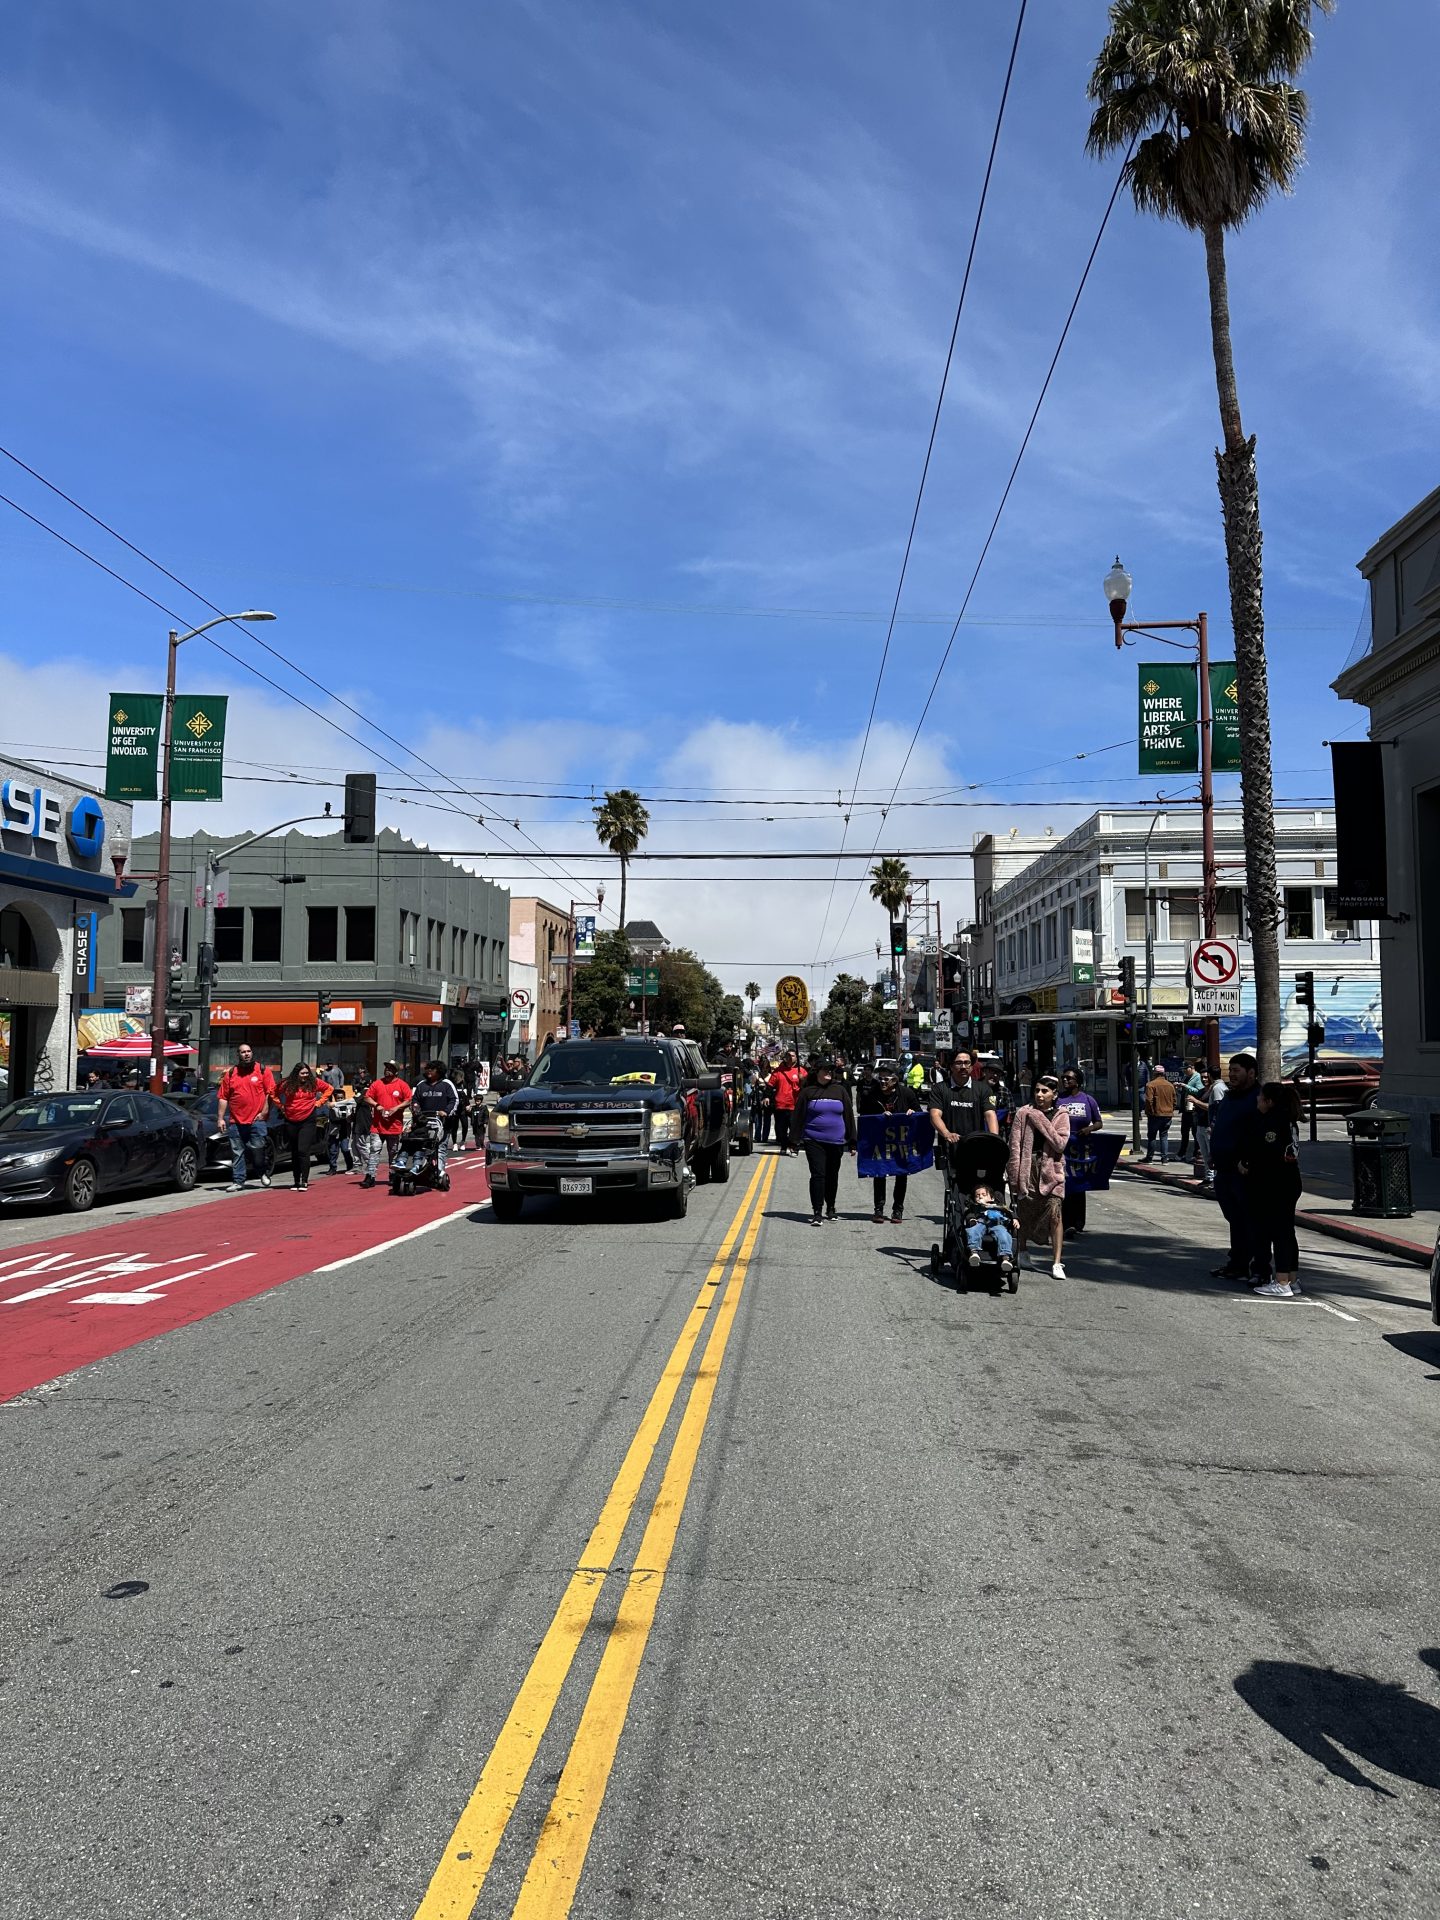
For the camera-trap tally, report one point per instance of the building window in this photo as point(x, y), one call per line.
point(1299, 913)
point(1024, 947)
point(1049, 936)
point(479, 956)
point(464, 942)
point(132, 936)
point(324, 940)
point(1229, 913)
point(265, 935)
point(229, 935)
point(1135, 914)
point(1336, 921)
point(360, 933)
point(1184, 916)
point(497, 955)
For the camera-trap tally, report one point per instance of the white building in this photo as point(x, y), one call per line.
point(55, 882)
point(1095, 880)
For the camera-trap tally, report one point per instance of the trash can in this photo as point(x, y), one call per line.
point(1380, 1164)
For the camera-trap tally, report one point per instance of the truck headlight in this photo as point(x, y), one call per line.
point(664, 1127)
point(498, 1125)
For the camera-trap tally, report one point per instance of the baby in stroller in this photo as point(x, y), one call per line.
point(987, 1225)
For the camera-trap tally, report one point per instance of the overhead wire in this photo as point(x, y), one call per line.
point(929, 452)
point(229, 653)
point(1004, 499)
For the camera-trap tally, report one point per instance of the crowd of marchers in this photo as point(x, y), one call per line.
point(1242, 1139)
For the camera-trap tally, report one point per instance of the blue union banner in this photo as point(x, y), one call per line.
point(889, 1143)
point(1090, 1161)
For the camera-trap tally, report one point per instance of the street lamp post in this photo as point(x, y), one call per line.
point(1117, 587)
point(598, 903)
point(161, 978)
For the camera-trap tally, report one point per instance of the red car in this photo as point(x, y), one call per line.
point(1341, 1086)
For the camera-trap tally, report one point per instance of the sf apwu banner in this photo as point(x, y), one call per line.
point(1090, 1161)
point(893, 1143)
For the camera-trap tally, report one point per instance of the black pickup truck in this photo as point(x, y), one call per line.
point(610, 1116)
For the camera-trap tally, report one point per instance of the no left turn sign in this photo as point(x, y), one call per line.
point(1214, 963)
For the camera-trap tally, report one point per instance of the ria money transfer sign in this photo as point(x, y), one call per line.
point(792, 1001)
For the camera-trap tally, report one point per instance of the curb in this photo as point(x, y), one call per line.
point(1334, 1227)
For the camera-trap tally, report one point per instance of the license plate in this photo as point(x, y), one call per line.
point(579, 1183)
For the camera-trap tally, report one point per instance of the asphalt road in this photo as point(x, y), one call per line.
point(1114, 1597)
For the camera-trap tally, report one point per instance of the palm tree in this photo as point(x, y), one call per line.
point(752, 994)
point(890, 884)
point(621, 823)
point(1199, 94)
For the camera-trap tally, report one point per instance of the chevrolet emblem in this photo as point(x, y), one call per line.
point(578, 1132)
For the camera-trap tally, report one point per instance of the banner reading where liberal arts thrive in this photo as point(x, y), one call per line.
point(132, 754)
point(197, 746)
point(894, 1143)
point(1169, 718)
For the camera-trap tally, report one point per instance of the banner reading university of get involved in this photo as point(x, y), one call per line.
point(132, 755)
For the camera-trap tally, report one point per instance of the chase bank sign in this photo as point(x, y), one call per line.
point(53, 835)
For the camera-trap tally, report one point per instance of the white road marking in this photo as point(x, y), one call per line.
point(1325, 1306)
point(460, 1213)
point(93, 1269)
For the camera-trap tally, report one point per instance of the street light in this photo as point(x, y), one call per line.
point(1117, 588)
point(161, 978)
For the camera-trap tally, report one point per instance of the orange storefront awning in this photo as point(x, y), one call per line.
point(264, 1013)
point(417, 1013)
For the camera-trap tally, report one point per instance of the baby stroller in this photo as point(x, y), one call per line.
point(417, 1159)
point(977, 1160)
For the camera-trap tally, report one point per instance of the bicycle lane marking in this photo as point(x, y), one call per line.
point(67, 1303)
point(457, 1881)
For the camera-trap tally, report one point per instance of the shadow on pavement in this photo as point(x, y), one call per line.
point(1331, 1716)
point(1424, 1347)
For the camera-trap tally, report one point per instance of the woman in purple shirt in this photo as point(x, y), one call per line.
point(825, 1126)
point(1085, 1117)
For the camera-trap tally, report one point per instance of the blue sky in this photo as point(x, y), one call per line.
point(561, 375)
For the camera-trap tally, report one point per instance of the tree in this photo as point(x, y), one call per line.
point(752, 994)
point(854, 1018)
point(890, 885)
point(621, 823)
point(1202, 90)
point(601, 992)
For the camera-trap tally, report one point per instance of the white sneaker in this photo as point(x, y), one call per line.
point(1057, 1272)
point(972, 1260)
point(1274, 1291)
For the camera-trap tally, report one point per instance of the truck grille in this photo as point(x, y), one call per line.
point(554, 1136)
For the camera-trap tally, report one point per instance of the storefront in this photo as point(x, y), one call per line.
point(56, 889)
point(283, 1032)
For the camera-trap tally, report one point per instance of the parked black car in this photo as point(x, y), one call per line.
point(71, 1148)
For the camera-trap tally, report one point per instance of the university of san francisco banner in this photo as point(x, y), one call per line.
point(1169, 718)
point(1225, 711)
point(197, 747)
point(132, 754)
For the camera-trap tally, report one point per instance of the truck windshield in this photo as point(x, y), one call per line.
point(601, 1063)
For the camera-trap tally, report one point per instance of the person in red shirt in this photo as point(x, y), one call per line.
point(389, 1100)
point(297, 1097)
point(785, 1084)
point(247, 1093)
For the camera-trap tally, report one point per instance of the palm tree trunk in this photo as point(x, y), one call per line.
point(1240, 507)
point(624, 877)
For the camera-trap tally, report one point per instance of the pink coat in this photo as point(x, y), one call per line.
point(1034, 1132)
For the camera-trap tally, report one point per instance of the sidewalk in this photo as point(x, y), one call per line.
point(1325, 1204)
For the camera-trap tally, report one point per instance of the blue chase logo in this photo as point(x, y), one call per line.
point(38, 814)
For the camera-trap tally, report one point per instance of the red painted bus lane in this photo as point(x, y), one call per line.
point(70, 1301)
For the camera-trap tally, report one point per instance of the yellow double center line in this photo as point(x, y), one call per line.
point(559, 1857)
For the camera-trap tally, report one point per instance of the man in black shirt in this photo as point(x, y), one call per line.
point(962, 1106)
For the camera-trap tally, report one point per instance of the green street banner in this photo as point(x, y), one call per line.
point(1225, 707)
point(1169, 718)
point(132, 755)
point(197, 747)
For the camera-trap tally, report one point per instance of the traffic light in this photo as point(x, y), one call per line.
point(1127, 981)
point(177, 1026)
point(954, 971)
point(899, 939)
point(360, 808)
point(1315, 1034)
point(324, 1009)
point(1305, 988)
point(974, 1024)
